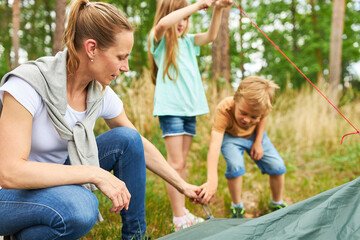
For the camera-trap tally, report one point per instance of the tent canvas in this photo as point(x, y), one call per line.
point(334, 214)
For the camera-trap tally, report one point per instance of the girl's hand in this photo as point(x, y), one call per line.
point(223, 3)
point(115, 190)
point(208, 192)
point(205, 4)
point(256, 152)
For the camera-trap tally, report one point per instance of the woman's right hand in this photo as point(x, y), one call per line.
point(192, 192)
point(114, 189)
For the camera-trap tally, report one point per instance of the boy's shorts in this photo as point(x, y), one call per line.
point(232, 149)
point(176, 125)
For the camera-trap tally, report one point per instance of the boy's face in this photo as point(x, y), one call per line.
point(246, 116)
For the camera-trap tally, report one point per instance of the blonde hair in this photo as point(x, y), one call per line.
point(257, 92)
point(172, 47)
point(96, 20)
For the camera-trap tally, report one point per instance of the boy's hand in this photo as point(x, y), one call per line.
point(208, 192)
point(223, 3)
point(256, 152)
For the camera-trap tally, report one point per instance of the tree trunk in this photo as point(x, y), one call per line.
point(6, 40)
point(242, 60)
point(337, 29)
point(60, 9)
point(294, 33)
point(318, 53)
point(220, 51)
point(16, 28)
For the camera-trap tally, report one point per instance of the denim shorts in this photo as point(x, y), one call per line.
point(176, 125)
point(232, 149)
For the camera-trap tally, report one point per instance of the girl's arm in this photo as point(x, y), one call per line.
point(16, 172)
point(256, 151)
point(176, 16)
point(155, 162)
point(211, 34)
point(210, 187)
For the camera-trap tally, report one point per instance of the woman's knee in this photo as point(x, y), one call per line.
point(82, 211)
point(131, 134)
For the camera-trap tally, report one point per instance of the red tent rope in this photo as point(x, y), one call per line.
point(357, 131)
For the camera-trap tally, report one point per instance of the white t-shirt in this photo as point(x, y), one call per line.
point(46, 144)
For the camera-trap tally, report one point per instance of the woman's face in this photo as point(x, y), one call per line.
point(110, 62)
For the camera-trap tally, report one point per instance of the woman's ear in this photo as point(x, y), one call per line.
point(90, 46)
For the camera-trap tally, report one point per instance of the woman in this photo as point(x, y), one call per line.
point(47, 145)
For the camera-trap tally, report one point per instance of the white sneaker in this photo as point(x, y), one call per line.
point(181, 223)
point(193, 219)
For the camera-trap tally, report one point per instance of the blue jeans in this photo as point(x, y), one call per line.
point(177, 125)
point(232, 149)
point(70, 211)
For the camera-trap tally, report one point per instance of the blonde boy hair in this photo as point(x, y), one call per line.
point(257, 92)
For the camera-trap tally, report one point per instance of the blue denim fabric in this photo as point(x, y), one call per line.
point(64, 212)
point(177, 125)
point(69, 212)
point(232, 149)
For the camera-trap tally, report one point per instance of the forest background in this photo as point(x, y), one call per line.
point(321, 37)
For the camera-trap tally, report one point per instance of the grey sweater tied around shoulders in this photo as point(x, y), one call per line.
point(47, 75)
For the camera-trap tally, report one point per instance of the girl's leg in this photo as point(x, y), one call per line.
point(235, 188)
point(121, 150)
point(277, 186)
point(177, 148)
point(64, 212)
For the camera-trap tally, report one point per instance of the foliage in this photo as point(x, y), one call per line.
point(295, 34)
point(37, 24)
point(5, 40)
point(299, 39)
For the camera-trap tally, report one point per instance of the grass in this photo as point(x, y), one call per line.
point(303, 128)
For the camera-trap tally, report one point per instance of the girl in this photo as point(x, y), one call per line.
point(179, 94)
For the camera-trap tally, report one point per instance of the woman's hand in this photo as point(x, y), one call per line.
point(192, 192)
point(114, 189)
point(208, 192)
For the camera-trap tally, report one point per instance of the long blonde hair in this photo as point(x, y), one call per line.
point(257, 92)
point(97, 20)
point(172, 47)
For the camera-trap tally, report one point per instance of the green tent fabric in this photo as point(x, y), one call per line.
point(334, 214)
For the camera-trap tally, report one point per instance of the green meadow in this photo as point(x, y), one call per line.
point(303, 126)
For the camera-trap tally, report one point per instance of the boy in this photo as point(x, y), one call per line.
point(239, 125)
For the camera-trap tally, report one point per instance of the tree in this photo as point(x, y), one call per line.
point(320, 75)
point(337, 29)
point(16, 29)
point(220, 51)
point(60, 9)
point(242, 60)
point(5, 40)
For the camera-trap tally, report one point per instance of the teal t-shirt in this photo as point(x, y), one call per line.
point(184, 96)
